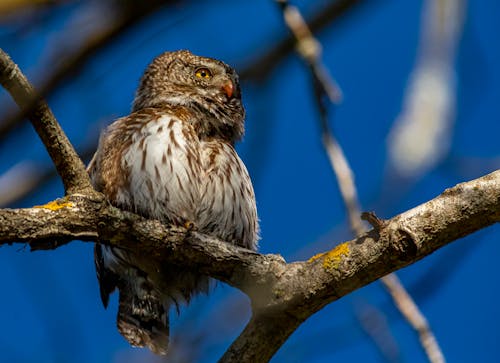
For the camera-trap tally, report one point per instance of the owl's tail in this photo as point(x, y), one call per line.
point(142, 315)
point(143, 320)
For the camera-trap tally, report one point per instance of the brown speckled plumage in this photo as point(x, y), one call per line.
point(173, 159)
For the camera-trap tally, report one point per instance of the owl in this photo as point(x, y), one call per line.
point(173, 159)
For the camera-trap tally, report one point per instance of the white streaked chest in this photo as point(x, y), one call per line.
point(227, 206)
point(174, 177)
point(164, 170)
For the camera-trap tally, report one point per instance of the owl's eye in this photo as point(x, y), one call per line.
point(203, 73)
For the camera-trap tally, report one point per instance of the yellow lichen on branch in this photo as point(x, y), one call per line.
point(332, 258)
point(316, 257)
point(56, 205)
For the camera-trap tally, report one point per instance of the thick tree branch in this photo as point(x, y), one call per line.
point(282, 294)
point(91, 219)
point(250, 346)
point(68, 164)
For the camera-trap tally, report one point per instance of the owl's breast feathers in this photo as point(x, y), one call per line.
point(154, 163)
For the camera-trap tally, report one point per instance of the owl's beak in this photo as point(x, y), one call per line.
point(228, 88)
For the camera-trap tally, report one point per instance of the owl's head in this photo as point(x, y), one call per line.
point(207, 86)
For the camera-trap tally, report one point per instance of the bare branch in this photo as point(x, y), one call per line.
point(410, 310)
point(310, 50)
point(472, 205)
point(68, 164)
point(261, 338)
point(91, 219)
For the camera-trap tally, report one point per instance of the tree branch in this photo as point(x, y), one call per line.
point(68, 164)
point(283, 294)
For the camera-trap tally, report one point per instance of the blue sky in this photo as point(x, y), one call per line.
point(51, 311)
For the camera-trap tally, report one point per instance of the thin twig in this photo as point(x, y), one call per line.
point(261, 67)
point(325, 88)
point(375, 324)
point(415, 317)
point(69, 166)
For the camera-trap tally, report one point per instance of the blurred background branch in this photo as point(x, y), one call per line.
point(421, 135)
point(9, 7)
point(333, 11)
point(326, 89)
point(120, 15)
